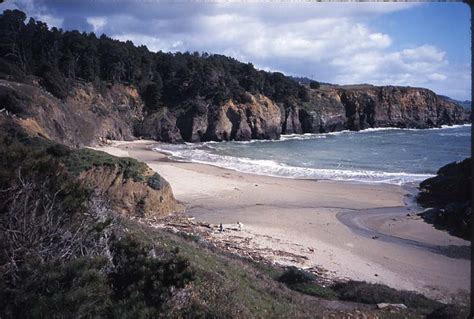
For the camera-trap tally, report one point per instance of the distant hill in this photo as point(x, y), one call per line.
point(466, 104)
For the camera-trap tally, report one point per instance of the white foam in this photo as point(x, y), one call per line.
point(308, 136)
point(206, 153)
point(273, 168)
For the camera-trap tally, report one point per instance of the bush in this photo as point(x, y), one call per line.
point(77, 288)
point(84, 159)
point(364, 292)
point(295, 275)
point(305, 282)
point(58, 150)
point(140, 278)
point(156, 181)
point(447, 311)
point(314, 85)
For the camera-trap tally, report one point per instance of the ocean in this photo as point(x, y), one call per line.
point(381, 155)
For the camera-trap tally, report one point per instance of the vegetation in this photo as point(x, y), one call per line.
point(305, 282)
point(364, 292)
point(314, 85)
point(81, 160)
point(63, 252)
point(58, 56)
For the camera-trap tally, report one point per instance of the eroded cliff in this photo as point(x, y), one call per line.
point(334, 108)
point(91, 114)
point(85, 117)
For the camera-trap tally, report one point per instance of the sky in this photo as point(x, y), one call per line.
point(382, 43)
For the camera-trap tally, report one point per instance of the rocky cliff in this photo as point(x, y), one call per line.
point(85, 117)
point(334, 108)
point(91, 114)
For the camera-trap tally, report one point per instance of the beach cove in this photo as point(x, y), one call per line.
point(357, 231)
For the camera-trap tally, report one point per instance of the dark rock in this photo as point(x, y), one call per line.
point(449, 193)
point(193, 123)
point(452, 183)
point(160, 126)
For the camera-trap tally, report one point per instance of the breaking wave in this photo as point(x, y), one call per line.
point(195, 153)
point(377, 155)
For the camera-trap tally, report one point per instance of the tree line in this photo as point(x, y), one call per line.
point(58, 57)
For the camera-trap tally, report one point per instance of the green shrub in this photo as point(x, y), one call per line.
point(58, 150)
point(305, 282)
point(294, 275)
point(84, 159)
point(156, 181)
point(141, 278)
point(57, 255)
point(55, 82)
point(313, 289)
point(77, 288)
point(314, 85)
point(364, 292)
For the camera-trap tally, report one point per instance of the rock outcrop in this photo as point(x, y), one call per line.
point(449, 196)
point(258, 118)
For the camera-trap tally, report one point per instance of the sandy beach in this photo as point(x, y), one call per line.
point(352, 230)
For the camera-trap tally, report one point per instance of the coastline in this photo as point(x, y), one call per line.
point(262, 157)
point(300, 217)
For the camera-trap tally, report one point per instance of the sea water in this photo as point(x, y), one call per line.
point(382, 155)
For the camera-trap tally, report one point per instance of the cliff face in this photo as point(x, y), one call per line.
point(361, 107)
point(398, 107)
point(89, 115)
point(259, 118)
point(85, 117)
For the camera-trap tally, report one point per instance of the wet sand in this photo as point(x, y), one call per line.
point(353, 230)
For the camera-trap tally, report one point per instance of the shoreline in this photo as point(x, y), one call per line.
point(208, 153)
point(300, 218)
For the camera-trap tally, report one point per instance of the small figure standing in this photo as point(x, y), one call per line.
point(221, 228)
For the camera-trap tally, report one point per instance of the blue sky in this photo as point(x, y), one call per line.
point(414, 44)
point(445, 25)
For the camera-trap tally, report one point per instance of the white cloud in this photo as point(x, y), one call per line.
point(32, 9)
point(97, 23)
point(152, 43)
point(50, 20)
point(437, 77)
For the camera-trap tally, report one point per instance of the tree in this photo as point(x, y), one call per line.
point(152, 94)
point(12, 23)
point(314, 85)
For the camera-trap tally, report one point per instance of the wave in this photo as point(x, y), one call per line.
point(455, 134)
point(273, 168)
point(309, 136)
